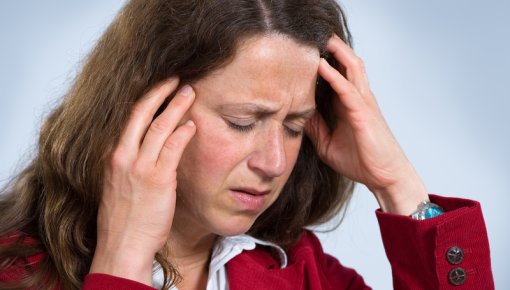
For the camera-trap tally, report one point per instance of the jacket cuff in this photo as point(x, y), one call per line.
point(98, 281)
point(418, 249)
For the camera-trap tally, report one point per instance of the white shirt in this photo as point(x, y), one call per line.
point(224, 250)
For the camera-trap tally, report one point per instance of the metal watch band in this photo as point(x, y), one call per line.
point(426, 210)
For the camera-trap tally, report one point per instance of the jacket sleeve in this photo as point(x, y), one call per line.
point(97, 281)
point(450, 251)
point(18, 271)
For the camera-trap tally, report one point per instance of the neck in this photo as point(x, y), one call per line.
point(190, 251)
point(189, 247)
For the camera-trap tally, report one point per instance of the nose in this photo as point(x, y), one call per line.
point(269, 157)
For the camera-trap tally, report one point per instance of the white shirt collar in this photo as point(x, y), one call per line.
point(224, 250)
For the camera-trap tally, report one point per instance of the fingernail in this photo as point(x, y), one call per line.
point(325, 62)
point(186, 90)
point(190, 123)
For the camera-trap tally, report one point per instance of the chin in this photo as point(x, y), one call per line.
point(234, 226)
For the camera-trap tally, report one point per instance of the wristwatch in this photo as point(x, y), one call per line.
point(426, 210)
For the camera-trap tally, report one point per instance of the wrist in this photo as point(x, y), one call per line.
point(402, 197)
point(123, 261)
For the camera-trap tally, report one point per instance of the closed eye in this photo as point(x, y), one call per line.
point(241, 128)
point(294, 133)
point(293, 129)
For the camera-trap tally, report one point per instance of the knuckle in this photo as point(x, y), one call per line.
point(146, 174)
point(359, 62)
point(160, 125)
point(179, 102)
point(177, 141)
point(139, 169)
point(137, 111)
point(118, 158)
point(173, 143)
point(352, 90)
point(355, 62)
point(159, 180)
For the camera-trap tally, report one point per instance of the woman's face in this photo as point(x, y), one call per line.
point(249, 116)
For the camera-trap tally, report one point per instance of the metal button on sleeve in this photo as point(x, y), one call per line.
point(457, 276)
point(455, 255)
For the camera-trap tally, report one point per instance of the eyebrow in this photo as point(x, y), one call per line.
point(265, 110)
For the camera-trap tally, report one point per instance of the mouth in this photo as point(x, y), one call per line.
point(250, 199)
point(251, 191)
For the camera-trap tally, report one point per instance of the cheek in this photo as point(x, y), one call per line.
point(211, 155)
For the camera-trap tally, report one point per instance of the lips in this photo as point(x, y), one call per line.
point(250, 199)
point(251, 191)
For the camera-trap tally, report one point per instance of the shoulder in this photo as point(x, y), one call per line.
point(308, 250)
point(308, 267)
point(19, 256)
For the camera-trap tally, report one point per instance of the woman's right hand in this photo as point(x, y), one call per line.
point(139, 192)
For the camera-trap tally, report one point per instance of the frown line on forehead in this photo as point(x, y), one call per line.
point(261, 109)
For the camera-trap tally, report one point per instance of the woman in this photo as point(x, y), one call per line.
point(194, 122)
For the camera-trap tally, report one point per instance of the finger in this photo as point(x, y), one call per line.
point(142, 113)
point(165, 124)
point(348, 94)
point(354, 66)
point(319, 133)
point(171, 153)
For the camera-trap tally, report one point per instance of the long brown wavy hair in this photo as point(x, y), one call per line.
point(50, 208)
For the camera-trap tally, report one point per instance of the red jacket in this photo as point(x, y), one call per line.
point(431, 254)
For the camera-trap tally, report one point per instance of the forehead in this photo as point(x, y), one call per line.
point(271, 69)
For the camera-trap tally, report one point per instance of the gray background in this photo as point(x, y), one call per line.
point(438, 68)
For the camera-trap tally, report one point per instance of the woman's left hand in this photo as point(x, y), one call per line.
point(362, 147)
